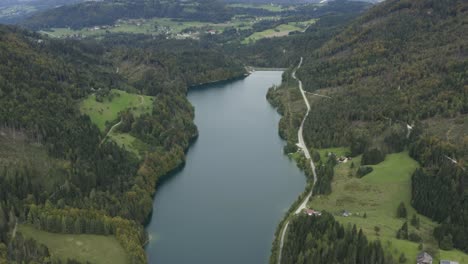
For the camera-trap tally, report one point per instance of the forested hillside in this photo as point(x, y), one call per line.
point(323, 240)
point(56, 173)
point(12, 11)
point(381, 69)
point(396, 79)
point(283, 52)
point(411, 73)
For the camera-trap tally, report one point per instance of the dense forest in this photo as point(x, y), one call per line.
point(379, 75)
point(439, 183)
point(322, 239)
point(95, 187)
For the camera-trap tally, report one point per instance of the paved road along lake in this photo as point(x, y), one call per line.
point(225, 204)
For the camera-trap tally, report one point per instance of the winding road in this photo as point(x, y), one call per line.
point(110, 130)
point(13, 234)
point(300, 135)
point(302, 145)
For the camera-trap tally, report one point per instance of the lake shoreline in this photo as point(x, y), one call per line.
point(167, 176)
point(203, 174)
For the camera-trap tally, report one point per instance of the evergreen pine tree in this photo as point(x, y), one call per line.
point(401, 211)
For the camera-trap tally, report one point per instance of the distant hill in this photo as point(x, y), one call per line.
point(293, 1)
point(268, 2)
point(108, 11)
point(12, 11)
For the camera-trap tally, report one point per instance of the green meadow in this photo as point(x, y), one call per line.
point(151, 26)
point(108, 110)
point(174, 27)
point(92, 248)
point(279, 31)
point(337, 151)
point(269, 7)
point(129, 142)
point(373, 201)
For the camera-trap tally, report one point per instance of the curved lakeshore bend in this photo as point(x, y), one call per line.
point(225, 204)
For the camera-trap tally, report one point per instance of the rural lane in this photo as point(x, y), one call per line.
point(142, 100)
point(110, 131)
point(302, 145)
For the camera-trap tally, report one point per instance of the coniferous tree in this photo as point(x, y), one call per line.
point(401, 211)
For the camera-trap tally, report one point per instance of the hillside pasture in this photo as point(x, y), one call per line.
point(268, 7)
point(279, 31)
point(92, 248)
point(373, 201)
point(108, 110)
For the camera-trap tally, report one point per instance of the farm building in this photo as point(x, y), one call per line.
point(424, 258)
point(346, 213)
point(311, 212)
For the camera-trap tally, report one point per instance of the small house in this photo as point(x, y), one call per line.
point(346, 213)
point(311, 212)
point(342, 159)
point(424, 258)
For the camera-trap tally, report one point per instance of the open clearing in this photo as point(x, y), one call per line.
point(337, 151)
point(152, 26)
point(92, 248)
point(108, 110)
point(129, 142)
point(187, 29)
point(378, 195)
point(279, 31)
point(269, 7)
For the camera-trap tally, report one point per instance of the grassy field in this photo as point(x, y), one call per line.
point(92, 248)
point(178, 26)
point(174, 28)
point(377, 195)
point(279, 31)
point(152, 26)
point(269, 7)
point(337, 151)
point(129, 142)
point(108, 110)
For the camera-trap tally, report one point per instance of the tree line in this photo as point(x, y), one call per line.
point(321, 239)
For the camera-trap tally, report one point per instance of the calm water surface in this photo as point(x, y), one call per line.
point(225, 204)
